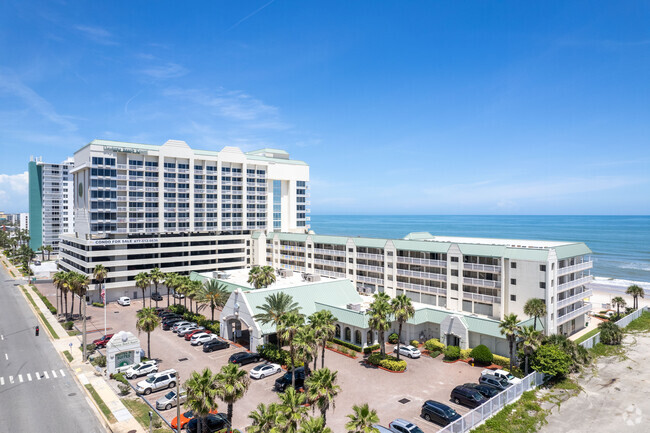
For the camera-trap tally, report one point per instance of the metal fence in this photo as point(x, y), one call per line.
point(494, 405)
point(592, 341)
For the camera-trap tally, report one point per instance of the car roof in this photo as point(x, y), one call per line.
point(436, 404)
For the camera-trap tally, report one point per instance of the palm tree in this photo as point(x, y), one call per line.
point(324, 323)
point(293, 409)
point(170, 282)
point(610, 333)
point(535, 307)
point(619, 302)
point(261, 277)
point(276, 305)
point(142, 282)
point(81, 282)
point(307, 344)
point(314, 425)
point(99, 274)
point(636, 292)
point(530, 342)
point(254, 276)
point(156, 277)
point(379, 320)
point(510, 328)
point(201, 391)
point(49, 250)
point(42, 250)
point(68, 287)
point(232, 384)
point(147, 321)
point(59, 281)
point(194, 292)
point(213, 294)
point(403, 310)
point(362, 419)
point(322, 389)
point(290, 323)
point(266, 419)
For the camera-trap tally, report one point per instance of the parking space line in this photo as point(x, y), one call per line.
point(38, 375)
point(54, 373)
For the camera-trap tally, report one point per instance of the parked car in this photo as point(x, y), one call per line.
point(216, 344)
point(403, 426)
point(215, 423)
point(157, 381)
point(492, 380)
point(124, 301)
point(410, 351)
point(185, 418)
point(167, 324)
point(487, 391)
point(200, 330)
point(156, 296)
point(439, 413)
point(282, 382)
point(141, 369)
point(201, 337)
point(101, 342)
point(187, 329)
point(503, 375)
point(467, 396)
point(169, 400)
point(180, 324)
point(178, 295)
point(243, 358)
point(263, 370)
point(381, 428)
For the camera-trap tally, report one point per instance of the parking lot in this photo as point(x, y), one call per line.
point(393, 395)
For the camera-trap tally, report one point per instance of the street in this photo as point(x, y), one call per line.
point(37, 392)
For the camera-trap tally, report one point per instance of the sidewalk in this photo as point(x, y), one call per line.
point(85, 373)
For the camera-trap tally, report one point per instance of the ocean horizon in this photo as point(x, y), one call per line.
point(620, 244)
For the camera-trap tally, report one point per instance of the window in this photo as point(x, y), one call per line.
point(350, 260)
point(542, 285)
point(513, 298)
point(542, 268)
point(454, 287)
point(513, 265)
point(350, 250)
point(454, 272)
point(513, 281)
point(454, 259)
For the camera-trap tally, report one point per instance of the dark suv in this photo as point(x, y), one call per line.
point(439, 413)
point(243, 358)
point(467, 396)
point(486, 390)
point(213, 345)
point(216, 423)
point(281, 383)
point(156, 296)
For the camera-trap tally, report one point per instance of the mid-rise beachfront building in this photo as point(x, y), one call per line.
point(51, 210)
point(140, 206)
point(23, 220)
point(484, 277)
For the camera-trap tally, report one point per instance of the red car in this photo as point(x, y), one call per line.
point(185, 418)
point(188, 336)
point(101, 342)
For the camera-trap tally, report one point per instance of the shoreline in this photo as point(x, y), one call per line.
point(604, 289)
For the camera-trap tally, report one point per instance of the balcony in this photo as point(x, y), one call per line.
point(168, 189)
point(121, 209)
point(151, 189)
point(170, 169)
point(573, 314)
point(482, 268)
point(183, 170)
point(418, 261)
point(424, 275)
point(370, 268)
point(482, 283)
point(121, 187)
point(292, 248)
point(333, 263)
point(573, 299)
point(575, 268)
point(121, 177)
point(121, 166)
point(575, 283)
point(370, 280)
point(329, 273)
point(329, 252)
point(368, 256)
point(422, 288)
point(482, 298)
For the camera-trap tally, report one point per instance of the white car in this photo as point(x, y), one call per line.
point(124, 301)
point(502, 374)
point(263, 370)
point(157, 381)
point(187, 329)
point(180, 324)
point(141, 369)
point(201, 337)
point(410, 351)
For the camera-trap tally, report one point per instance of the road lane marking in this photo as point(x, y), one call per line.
point(6, 357)
point(53, 373)
point(29, 377)
point(47, 376)
point(2, 337)
point(38, 375)
point(62, 373)
point(20, 378)
point(11, 379)
point(2, 381)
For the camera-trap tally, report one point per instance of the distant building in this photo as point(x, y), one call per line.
point(23, 219)
point(51, 210)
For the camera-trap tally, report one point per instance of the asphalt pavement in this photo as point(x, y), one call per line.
point(37, 391)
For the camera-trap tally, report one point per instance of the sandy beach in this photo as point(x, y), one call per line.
point(604, 289)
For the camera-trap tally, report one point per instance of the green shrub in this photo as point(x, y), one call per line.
point(415, 343)
point(99, 361)
point(392, 338)
point(67, 325)
point(434, 345)
point(46, 301)
point(452, 353)
point(482, 354)
point(178, 309)
point(370, 349)
point(124, 388)
point(98, 304)
point(465, 353)
point(551, 360)
point(375, 358)
point(389, 364)
point(501, 361)
point(348, 345)
point(120, 378)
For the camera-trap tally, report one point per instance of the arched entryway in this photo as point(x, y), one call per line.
point(238, 332)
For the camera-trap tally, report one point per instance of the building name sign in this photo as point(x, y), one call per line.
point(124, 241)
point(122, 149)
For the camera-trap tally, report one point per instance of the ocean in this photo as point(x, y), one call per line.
point(621, 244)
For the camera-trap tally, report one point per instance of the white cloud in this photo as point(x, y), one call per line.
point(97, 34)
point(14, 192)
point(164, 72)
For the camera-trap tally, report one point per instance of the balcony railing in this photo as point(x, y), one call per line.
point(292, 248)
point(332, 263)
point(575, 298)
point(418, 261)
point(482, 268)
point(370, 280)
point(329, 252)
point(329, 273)
point(368, 256)
point(370, 268)
point(575, 268)
point(481, 282)
point(573, 314)
point(425, 275)
point(482, 298)
point(422, 288)
point(575, 283)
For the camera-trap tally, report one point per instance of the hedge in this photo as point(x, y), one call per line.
point(482, 354)
point(274, 354)
point(501, 361)
point(67, 325)
point(347, 344)
point(388, 362)
point(392, 338)
point(465, 353)
point(452, 353)
point(199, 319)
point(98, 304)
point(414, 343)
point(46, 301)
point(434, 345)
point(370, 349)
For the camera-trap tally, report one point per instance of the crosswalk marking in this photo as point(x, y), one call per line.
point(62, 373)
point(29, 377)
point(38, 375)
point(2, 381)
point(47, 376)
point(11, 379)
point(20, 378)
point(53, 373)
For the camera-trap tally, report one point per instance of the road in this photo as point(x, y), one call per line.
point(37, 392)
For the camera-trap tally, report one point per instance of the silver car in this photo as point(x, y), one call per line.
point(169, 400)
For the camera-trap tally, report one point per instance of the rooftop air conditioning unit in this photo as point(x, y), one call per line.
point(284, 273)
point(354, 307)
point(312, 278)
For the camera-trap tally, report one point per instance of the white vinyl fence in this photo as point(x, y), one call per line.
point(592, 341)
point(494, 405)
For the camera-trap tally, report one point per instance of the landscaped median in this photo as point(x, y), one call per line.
point(42, 317)
point(100, 404)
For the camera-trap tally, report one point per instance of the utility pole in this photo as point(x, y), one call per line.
point(150, 422)
point(83, 338)
point(178, 403)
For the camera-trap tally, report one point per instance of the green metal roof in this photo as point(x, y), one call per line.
point(572, 250)
point(343, 315)
point(256, 235)
point(370, 242)
point(280, 160)
point(292, 237)
point(230, 287)
point(530, 254)
point(424, 246)
point(418, 236)
point(482, 250)
point(328, 239)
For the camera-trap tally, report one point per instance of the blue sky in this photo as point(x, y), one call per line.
point(399, 107)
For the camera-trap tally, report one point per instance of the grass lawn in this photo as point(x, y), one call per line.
point(140, 411)
point(49, 327)
point(523, 416)
point(102, 406)
point(68, 355)
point(642, 324)
point(601, 349)
point(588, 335)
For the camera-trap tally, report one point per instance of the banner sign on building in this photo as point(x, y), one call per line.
point(124, 241)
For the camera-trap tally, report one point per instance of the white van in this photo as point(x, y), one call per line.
point(124, 301)
point(381, 428)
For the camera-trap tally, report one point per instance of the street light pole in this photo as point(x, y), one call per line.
point(83, 339)
point(178, 403)
point(150, 422)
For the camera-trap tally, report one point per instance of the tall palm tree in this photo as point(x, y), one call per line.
point(403, 310)
point(276, 305)
point(510, 328)
point(322, 389)
point(232, 384)
point(314, 425)
point(531, 339)
point(214, 295)
point(59, 281)
point(636, 292)
point(307, 344)
point(68, 287)
point(201, 391)
point(254, 276)
point(142, 282)
point(379, 320)
point(147, 321)
point(362, 419)
point(170, 283)
point(42, 251)
point(535, 307)
point(155, 277)
point(324, 324)
point(99, 274)
point(267, 276)
point(290, 323)
point(194, 292)
point(293, 408)
point(81, 282)
point(49, 250)
point(619, 302)
point(267, 419)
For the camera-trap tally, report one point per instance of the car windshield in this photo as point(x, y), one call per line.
point(510, 376)
point(259, 367)
point(170, 395)
point(450, 412)
point(151, 379)
point(188, 414)
point(416, 429)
